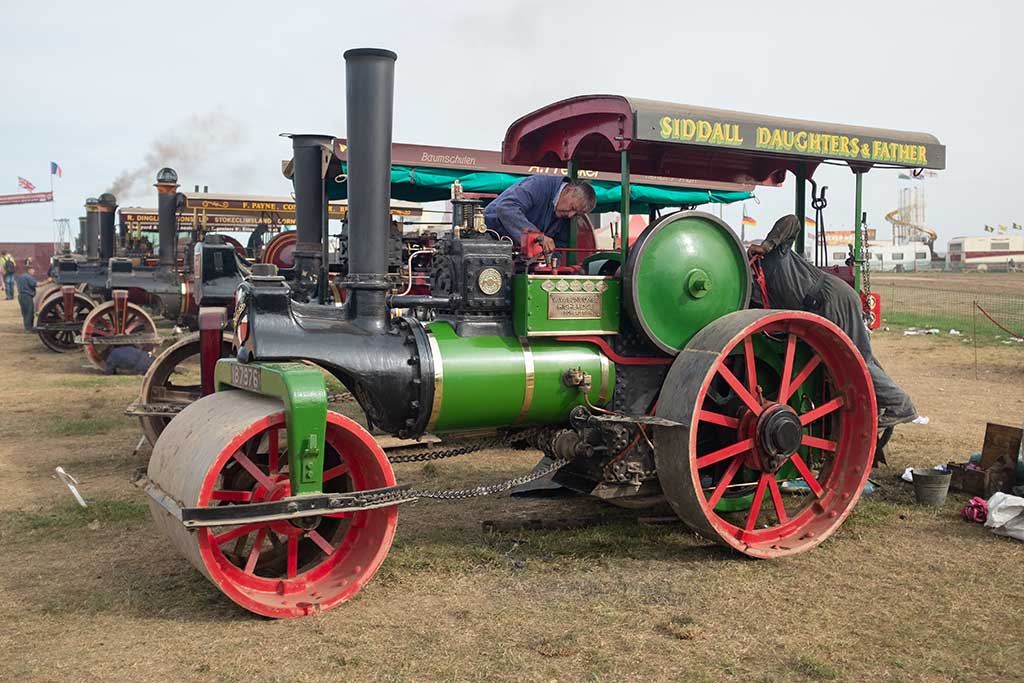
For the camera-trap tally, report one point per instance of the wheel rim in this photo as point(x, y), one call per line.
point(174, 378)
point(280, 251)
point(52, 311)
point(43, 293)
point(101, 322)
point(828, 444)
point(275, 569)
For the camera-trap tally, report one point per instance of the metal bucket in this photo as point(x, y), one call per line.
point(931, 486)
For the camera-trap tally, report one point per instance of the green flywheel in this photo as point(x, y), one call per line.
point(683, 272)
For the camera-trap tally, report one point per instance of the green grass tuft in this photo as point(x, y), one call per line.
point(82, 426)
point(813, 668)
point(72, 516)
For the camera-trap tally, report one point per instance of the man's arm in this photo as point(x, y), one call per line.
point(782, 233)
point(511, 208)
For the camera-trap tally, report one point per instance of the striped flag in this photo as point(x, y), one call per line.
point(810, 222)
point(25, 184)
point(56, 170)
point(989, 228)
point(1002, 228)
point(748, 220)
point(1016, 226)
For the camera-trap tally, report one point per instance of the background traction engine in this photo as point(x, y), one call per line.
point(756, 425)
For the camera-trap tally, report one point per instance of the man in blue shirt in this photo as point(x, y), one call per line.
point(544, 203)
point(26, 292)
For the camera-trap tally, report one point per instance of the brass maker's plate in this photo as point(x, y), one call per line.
point(489, 281)
point(574, 305)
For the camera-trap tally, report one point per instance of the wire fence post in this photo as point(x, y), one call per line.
point(974, 334)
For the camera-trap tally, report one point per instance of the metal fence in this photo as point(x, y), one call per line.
point(969, 312)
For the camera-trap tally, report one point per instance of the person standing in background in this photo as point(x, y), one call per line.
point(26, 293)
point(8, 267)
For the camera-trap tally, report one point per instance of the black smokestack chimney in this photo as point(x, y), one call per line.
point(167, 208)
point(369, 98)
point(108, 236)
point(82, 232)
point(309, 154)
point(92, 229)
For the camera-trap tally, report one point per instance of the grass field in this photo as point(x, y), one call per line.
point(900, 593)
point(966, 302)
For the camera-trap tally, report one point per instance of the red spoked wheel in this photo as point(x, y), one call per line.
point(733, 425)
point(172, 382)
point(61, 315)
point(43, 293)
point(116, 318)
point(229, 448)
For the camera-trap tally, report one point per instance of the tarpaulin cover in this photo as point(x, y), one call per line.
point(432, 184)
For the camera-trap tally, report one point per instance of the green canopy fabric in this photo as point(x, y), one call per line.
point(434, 184)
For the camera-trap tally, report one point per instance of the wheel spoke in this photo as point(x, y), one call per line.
point(741, 391)
point(232, 496)
point(723, 483)
point(808, 476)
point(755, 505)
point(320, 541)
point(718, 419)
point(335, 472)
point(272, 462)
point(801, 378)
point(237, 532)
point(815, 442)
point(723, 453)
point(822, 410)
point(254, 554)
point(780, 507)
point(293, 556)
point(787, 368)
point(255, 471)
point(748, 355)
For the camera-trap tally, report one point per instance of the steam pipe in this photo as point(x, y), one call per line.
point(310, 200)
point(369, 95)
point(167, 208)
point(106, 205)
point(82, 232)
point(92, 229)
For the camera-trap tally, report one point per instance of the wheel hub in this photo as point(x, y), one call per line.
point(778, 435)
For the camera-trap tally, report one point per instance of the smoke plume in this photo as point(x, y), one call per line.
point(187, 148)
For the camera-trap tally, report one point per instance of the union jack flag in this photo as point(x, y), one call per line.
point(25, 185)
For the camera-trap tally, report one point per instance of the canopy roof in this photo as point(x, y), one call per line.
point(679, 140)
point(424, 173)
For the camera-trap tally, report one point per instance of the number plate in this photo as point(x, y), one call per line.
point(574, 305)
point(247, 377)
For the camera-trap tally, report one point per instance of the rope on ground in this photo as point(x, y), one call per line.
point(994, 322)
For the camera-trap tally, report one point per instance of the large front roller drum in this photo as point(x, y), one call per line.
point(742, 435)
point(105, 321)
point(52, 312)
point(172, 380)
point(229, 448)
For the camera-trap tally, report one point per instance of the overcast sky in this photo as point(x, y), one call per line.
point(106, 89)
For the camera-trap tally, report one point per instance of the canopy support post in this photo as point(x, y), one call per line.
point(801, 205)
point(624, 207)
point(570, 259)
point(858, 228)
